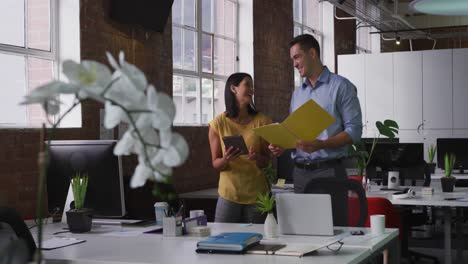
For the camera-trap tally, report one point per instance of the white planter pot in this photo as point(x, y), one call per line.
point(270, 227)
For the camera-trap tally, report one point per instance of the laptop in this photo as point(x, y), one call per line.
point(304, 214)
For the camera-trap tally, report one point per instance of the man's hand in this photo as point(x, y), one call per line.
point(277, 151)
point(310, 147)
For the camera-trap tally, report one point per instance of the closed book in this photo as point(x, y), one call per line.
point(231, 241)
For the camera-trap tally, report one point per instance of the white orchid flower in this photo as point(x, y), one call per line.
point(162, 172)
point(141, 174)
point(162, 106)
point(87, 73)
point(113, 115)
point(125, 144)
point(135, 75)
point(177, 152)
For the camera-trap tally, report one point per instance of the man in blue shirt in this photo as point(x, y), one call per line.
point(337, 95)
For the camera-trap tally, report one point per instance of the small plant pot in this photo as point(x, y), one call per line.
point(79, 221)
point(447, 183)
point(432, 167)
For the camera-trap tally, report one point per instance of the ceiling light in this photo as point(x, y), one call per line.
point(443, 8)
point(397, 40)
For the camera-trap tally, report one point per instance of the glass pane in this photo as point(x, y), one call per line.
point(40, 71)
point(207, 49)
point(312, 14)
point(12, 90)
point(218, 17)
point(186, 98)
point(177, 12)
point(229, 19)
point(297, 11)
point(12, 22)
point(39, 24)
point(297, 30)
point(189, 13)
point(219, 105)
point(207, 100)
point(218, 60)
point(206, 15)
point(229, 57)
point(189, 50)
point(177, 47)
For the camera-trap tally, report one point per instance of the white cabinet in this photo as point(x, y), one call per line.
point(460, 88)
point(408, 89)
point(379, 88)
point(437, 94)
point(353, 68)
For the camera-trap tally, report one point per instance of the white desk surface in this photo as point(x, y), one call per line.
point(212, 193)
point(154, 248)
point(437, 199)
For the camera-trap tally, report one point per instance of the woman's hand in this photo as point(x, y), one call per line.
point(231, 154)
point(277, 151)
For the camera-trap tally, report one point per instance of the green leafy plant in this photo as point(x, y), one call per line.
point(270, 173)
point(388, 128)
point(431, 153)
point(79, 185)
point(265, 203)
point(449, 164)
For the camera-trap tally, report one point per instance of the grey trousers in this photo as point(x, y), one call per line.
point(230, 212)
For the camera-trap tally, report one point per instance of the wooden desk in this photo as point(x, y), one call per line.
point(154, 248)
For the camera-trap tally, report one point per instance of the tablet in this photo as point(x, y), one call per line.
point(236, 142)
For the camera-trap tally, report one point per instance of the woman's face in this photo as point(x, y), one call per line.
point(244, 92)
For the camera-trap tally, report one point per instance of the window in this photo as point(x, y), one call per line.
point(307, 20)
point(204, 46)
point(27, 57)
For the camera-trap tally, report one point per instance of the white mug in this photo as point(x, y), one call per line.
point(377, 223)
point(393, 179)
point(195, 213)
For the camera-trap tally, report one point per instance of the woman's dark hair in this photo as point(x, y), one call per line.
point(232, 109)
point(307, 42)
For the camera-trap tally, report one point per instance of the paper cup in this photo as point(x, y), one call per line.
point(377, 223)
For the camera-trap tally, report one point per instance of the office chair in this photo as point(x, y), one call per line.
point(338, 190)
point(12, 218)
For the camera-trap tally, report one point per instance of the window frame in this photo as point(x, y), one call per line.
point(26, 52)
point(198, 73)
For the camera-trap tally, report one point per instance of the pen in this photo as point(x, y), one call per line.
point(179, 213)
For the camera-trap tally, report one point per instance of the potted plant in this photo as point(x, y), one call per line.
point(388, 128)
point(431, 155)
point(266, 205)
point(270, 173)
point(448, 181)
point(79, 218)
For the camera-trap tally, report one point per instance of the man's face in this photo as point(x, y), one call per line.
point(303, 61)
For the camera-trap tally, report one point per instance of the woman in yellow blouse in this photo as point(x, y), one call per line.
point(241, 178)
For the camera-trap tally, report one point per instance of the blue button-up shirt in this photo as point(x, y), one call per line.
point(338, 96)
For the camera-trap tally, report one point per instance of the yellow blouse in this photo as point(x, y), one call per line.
point(242, 181)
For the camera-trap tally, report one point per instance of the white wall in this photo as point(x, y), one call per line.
point(328, 25)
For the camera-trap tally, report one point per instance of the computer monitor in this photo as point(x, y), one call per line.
point(457, 146)
point(105, 193)
point(408, 158)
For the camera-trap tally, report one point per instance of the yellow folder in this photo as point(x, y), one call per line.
point(305, 124)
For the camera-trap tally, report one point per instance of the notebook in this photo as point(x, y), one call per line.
point(230, 241)
point(304, 214)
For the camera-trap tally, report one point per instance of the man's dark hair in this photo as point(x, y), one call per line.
point(232, 110)
point(306, 42)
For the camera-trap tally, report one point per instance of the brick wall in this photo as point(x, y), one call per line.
point(273, 69)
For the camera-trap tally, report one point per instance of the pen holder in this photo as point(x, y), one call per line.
point(172, 226)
